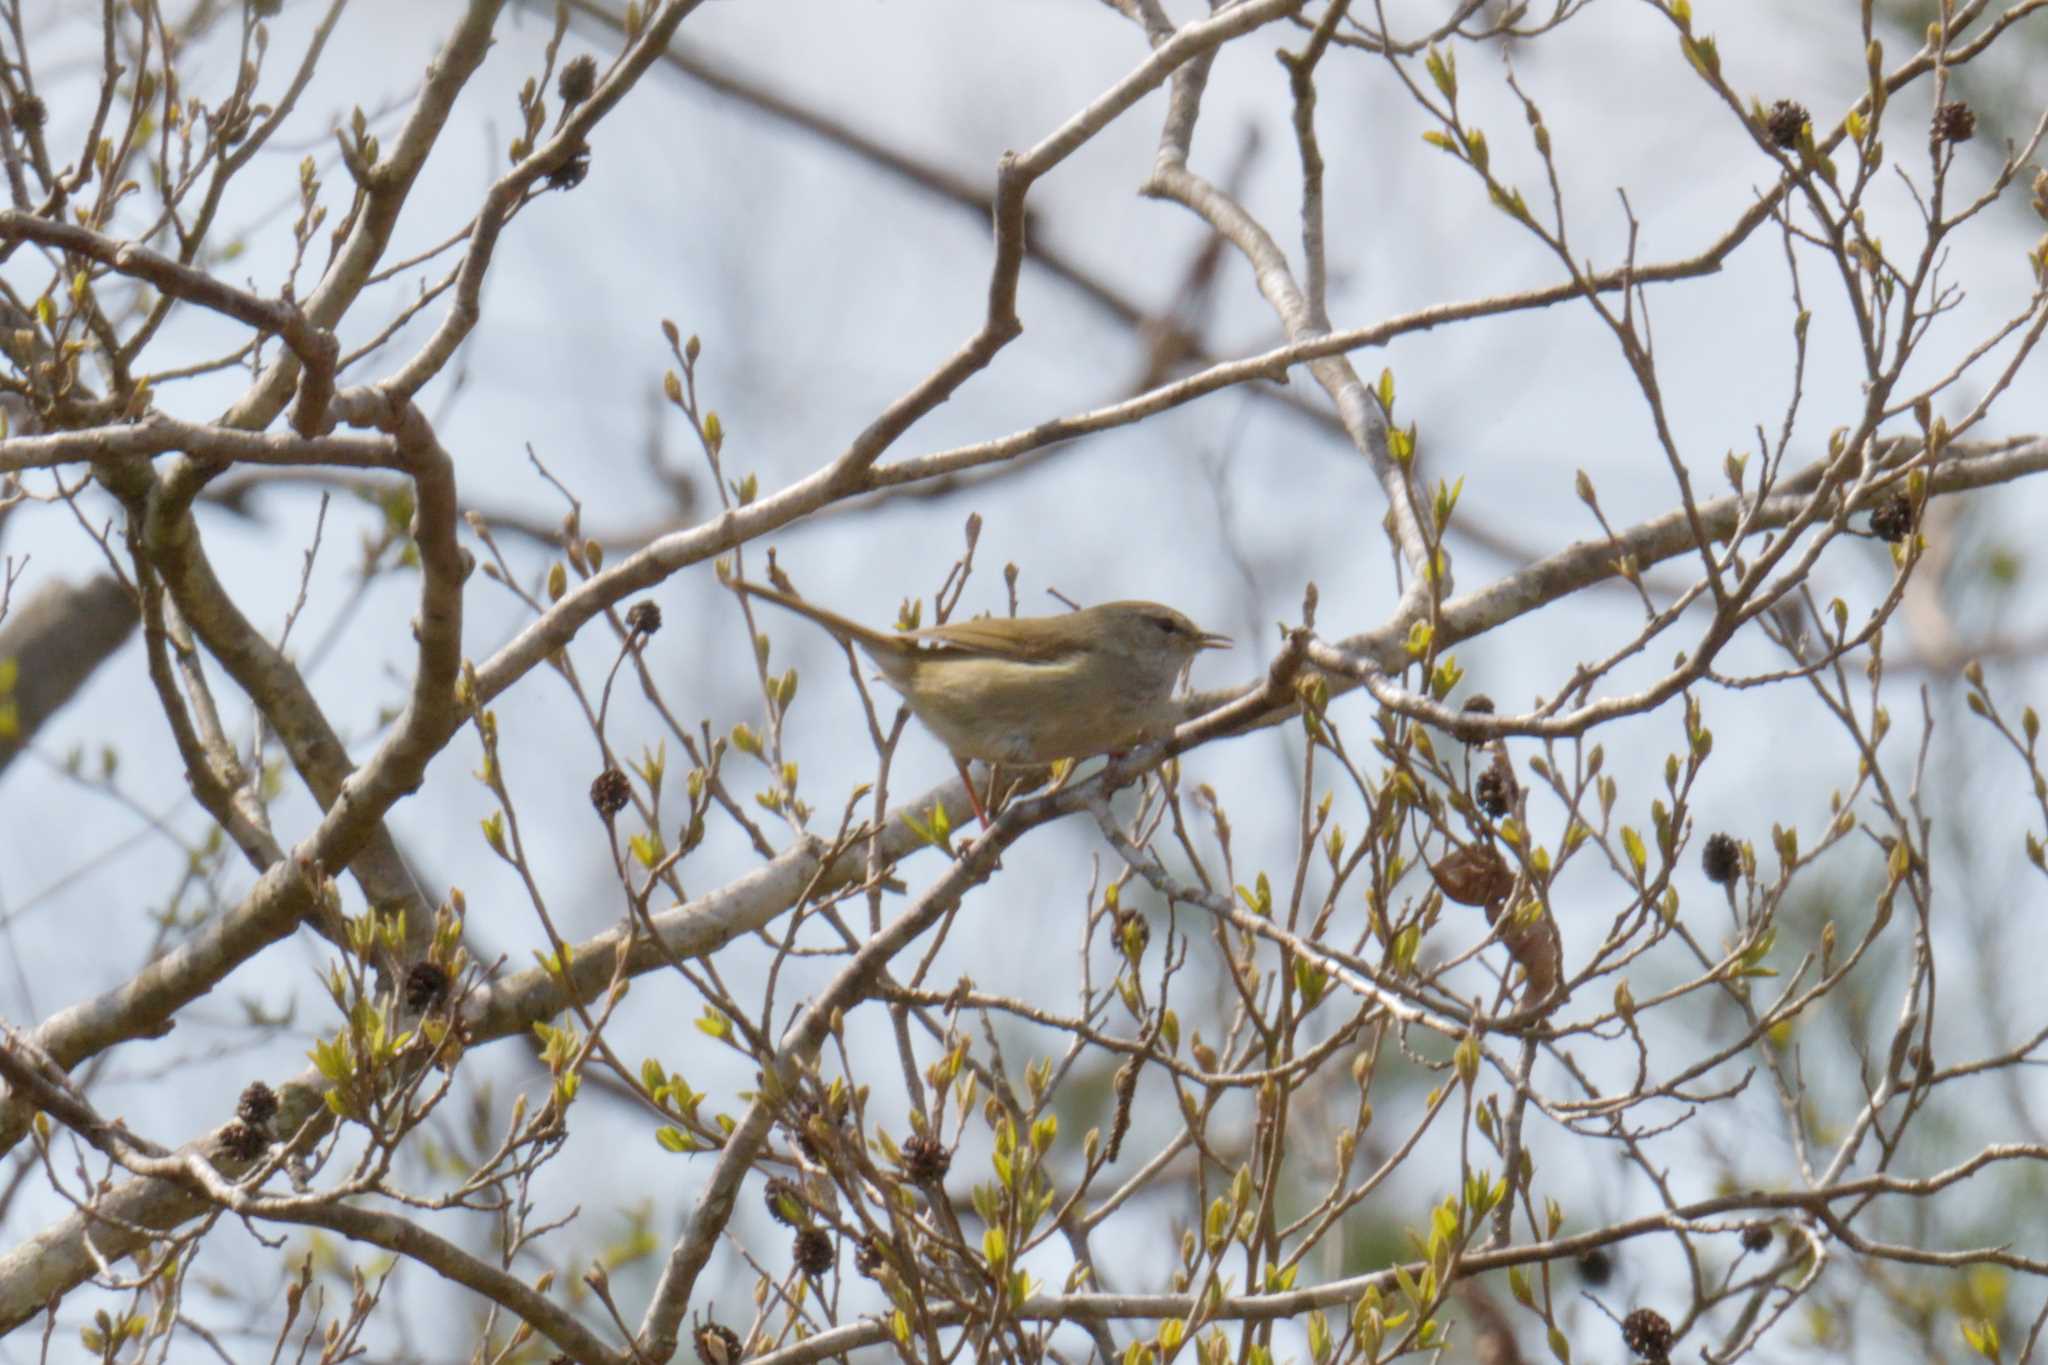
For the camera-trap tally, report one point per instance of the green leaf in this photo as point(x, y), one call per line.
point(647, 849)
point(1401, 444)
point(1320, 1345)
point(1311, 981)
point(1443, 70)
point(1475, 148)
point(1410, 1290)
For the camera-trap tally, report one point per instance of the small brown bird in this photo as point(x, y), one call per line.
point(1032, 689)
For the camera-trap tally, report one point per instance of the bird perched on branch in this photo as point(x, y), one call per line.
point(1030, 689)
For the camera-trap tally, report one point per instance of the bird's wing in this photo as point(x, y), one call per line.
point(1015, 639)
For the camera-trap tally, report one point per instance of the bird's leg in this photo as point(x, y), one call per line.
point(990, 800)
point(967, 781)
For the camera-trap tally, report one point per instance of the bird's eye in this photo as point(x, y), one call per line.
point(1165, 623)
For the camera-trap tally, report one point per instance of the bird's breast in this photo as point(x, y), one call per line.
point(1006, 711)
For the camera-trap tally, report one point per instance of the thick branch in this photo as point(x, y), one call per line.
point(57, 638)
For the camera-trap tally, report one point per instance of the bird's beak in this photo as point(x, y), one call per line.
point(1211, 640)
